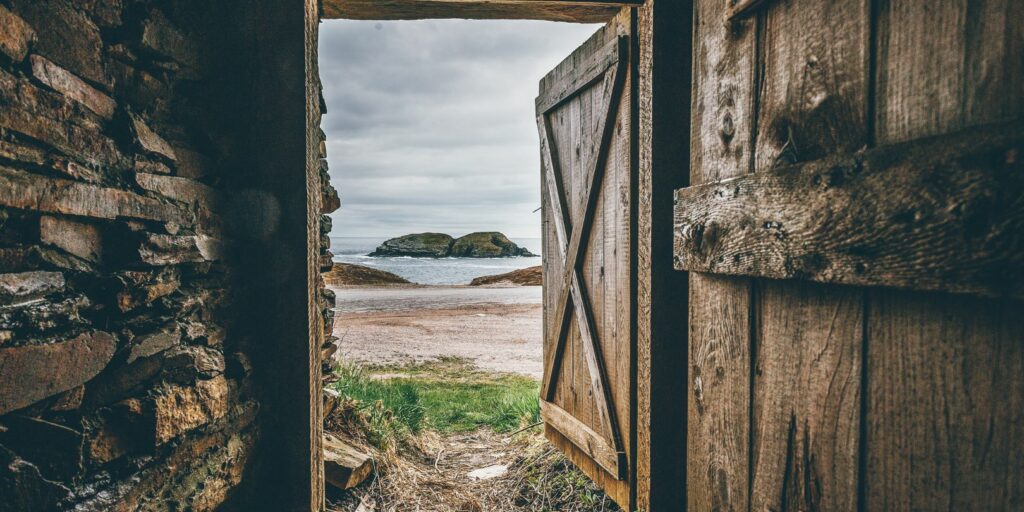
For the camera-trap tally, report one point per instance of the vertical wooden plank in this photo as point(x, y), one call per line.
point(807, 397)
point(946, 403)
point(662, 116)
point(944, 376)
point(806, 406)
point(920, 68)
point(718, 430)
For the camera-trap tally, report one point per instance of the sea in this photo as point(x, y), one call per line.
point(432, 271)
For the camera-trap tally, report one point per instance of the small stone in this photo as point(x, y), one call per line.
point(150, 344)
point(180, 189)
point(20, 153)
point(163, 250)
point(15, 35)
point(16, 289)
point(186, 364)
point(488, 473)
point(160, 36)
point(66, 83)
point(69, 400)
point(180, 409)
point(78, 238)
point(344, 466)
point(75, 170)
point(66, 36)
point(149, 140)
point(33, 372)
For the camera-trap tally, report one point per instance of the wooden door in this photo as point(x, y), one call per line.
point(853, 237)
point(583, 116)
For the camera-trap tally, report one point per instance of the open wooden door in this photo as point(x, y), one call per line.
point(586, 131)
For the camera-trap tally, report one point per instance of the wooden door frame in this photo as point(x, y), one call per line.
point(662, 35)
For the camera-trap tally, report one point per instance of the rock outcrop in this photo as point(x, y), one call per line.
point(420, 245)
point(345, 274)
point(488, 244)
point(532, 276)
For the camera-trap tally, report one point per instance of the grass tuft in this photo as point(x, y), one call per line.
point(448, 395)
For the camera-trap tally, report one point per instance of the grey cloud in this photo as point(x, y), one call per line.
point(430, 124)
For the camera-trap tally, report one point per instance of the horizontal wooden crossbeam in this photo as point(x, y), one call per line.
point(945, 213)
point(578, 11)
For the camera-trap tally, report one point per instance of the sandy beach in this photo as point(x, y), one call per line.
point(497, 328)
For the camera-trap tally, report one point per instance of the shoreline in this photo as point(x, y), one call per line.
point(496, 327)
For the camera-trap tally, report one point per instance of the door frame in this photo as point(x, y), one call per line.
point(662, 34)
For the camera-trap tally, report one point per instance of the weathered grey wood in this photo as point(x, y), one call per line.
point(718, 400)
point(665, 39)
point(939, 214)
point(592, 69)
point(584, 437)
point(571, 256)
point(742, 8)
point(344, 466)
point(579, 11)
point(585, 174)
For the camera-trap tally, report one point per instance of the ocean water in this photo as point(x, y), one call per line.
point(437, 271)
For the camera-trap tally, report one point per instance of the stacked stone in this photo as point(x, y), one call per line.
point(120, 388)
point(330, 202)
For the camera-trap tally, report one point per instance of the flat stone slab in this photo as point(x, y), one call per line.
point(31, 373)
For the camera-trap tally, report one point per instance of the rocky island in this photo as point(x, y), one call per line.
point(490, 244)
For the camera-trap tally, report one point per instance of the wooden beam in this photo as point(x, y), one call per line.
point(943, 214)
point(576, 11)
point(584, 437)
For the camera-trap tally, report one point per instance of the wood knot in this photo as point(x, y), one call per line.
point(728, 129)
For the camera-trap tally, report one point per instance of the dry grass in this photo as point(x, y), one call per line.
point(427, 470)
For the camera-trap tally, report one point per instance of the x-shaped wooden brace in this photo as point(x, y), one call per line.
point(611, 67)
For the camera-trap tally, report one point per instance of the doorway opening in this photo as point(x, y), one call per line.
point(437, 271)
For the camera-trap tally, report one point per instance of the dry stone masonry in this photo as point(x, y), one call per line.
point(123, 383)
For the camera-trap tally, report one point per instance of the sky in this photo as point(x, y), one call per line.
point(430, 124)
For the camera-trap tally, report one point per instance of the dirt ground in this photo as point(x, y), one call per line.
point(498, 329)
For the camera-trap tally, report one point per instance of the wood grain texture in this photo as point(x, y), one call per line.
point(723, 118)
point(578, 11)
point(664, 75)
point(807, 397)
point(585, 438)
point(812, 102)
point(944, 214)
point(943, 381)
point(945, 402)
point(586, 203)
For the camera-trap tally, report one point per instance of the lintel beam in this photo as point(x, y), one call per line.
point(576, 11)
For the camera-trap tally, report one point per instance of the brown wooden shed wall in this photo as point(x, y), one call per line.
point(827, 397)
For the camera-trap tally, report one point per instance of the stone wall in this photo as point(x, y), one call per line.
point(127, 379)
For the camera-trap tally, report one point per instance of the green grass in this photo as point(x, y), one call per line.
point(449, 395)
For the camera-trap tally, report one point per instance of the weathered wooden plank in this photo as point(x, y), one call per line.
point(920, 72)
point(592, 69)
point(579, 11)
point(344, 466)
point(665, 36)
point(945, 405)
point(807, 397)
point(813, 102)
point(584, 437)
point(943, 381)
point(723, 118)
point(742, 8)
point(938, 214)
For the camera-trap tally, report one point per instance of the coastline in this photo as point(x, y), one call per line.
point(496, 327)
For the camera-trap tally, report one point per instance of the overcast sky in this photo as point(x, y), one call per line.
point(430, 124)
